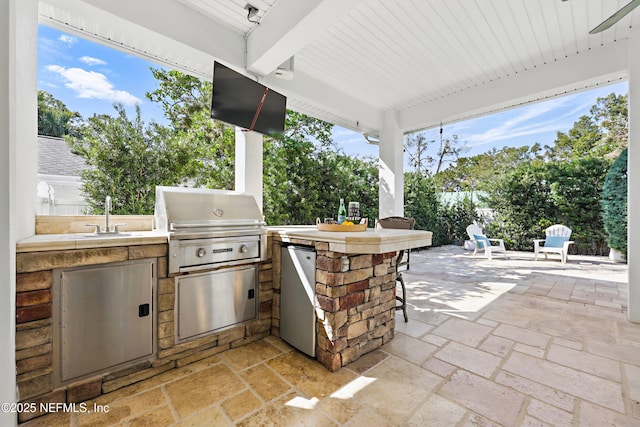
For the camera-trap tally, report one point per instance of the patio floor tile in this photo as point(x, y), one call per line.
point(489, 399)
point(536, 390)
point(397, 389)
point(409, 348)
point(589, 387)
point(476, 361)
point(585, 362)
point(437, 411)
point(510, 342)
point(463, 331)
point(202, 389)
point(524, 336)
point(549, 414)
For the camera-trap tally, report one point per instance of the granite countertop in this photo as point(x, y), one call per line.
point(56, 242)
point(371, 241)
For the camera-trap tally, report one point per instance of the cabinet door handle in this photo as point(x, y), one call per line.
point(143, 310)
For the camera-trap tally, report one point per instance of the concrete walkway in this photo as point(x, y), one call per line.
point(502, 343)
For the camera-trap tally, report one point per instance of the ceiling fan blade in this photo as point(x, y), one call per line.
point(616, 17)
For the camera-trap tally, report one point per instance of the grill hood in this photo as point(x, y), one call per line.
point(185, 208)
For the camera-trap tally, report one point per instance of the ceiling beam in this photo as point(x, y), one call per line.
point(598, 66)
point(313, 93)
point(179, 26)
point(289, 26)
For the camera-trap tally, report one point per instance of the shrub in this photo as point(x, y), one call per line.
point(614, 204)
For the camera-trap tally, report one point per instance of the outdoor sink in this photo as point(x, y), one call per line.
point(109, 235)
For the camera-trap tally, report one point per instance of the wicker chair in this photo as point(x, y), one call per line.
point(402, 262)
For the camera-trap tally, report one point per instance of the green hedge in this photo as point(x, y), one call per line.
point(614, 204)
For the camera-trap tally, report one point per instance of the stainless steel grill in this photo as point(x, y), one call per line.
point(216, 240)
point(209, 228)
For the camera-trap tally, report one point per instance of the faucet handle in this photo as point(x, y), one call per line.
point(115, 228)
point(97, 226)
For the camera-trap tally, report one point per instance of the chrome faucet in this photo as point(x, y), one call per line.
point(107, 209)
point(107, 230)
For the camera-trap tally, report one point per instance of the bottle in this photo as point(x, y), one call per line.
point(342, 212)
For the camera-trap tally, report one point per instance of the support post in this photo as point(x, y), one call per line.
point(18, 168)
point(391, 170)
point(249, 164)
point(633, 176)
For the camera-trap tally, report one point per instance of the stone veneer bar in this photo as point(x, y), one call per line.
point(355, 304)
point(34, 326)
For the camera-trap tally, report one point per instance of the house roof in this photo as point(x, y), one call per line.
point(355, 61)
point(55, 158)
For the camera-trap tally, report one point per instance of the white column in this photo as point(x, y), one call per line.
point(249, 164)
point(18, 167)
point(391, 174)
point(634, 175)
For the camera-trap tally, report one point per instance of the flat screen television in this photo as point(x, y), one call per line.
point(243, 102)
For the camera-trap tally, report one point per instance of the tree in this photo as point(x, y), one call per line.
point(422, 203)
point(614, 204)
point(448, 151)
point(186, 102)
point(477, 173)
point(54, 118)
point(602, 133)
point(127, 160)
point(576, 191)
point(304, 178)
point(520, 199)
point(418, 159)
point(304, 174)
point(611, 114)
point(538, 194)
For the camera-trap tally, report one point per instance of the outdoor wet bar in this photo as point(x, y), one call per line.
point(351, 298)
point(352, 301)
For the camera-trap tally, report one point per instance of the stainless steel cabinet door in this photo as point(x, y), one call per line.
point(297, 298)
point(105, 317)
point(211, 301)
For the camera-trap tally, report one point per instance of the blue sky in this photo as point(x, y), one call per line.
point(89, 78)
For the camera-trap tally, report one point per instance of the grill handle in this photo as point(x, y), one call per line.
point(215, 224)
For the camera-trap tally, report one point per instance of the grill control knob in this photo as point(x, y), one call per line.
point(243, 249)
point(200, 252)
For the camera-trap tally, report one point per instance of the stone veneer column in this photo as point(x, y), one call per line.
point(355, 304)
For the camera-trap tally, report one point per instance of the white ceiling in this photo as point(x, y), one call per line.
point(428, 61)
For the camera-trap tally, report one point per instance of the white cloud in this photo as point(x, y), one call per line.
point(90, 60)
point(346, 136)
point(517, 126)
point(91, 84)
point(67, 39)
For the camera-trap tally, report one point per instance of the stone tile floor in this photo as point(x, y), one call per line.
point(491, 343)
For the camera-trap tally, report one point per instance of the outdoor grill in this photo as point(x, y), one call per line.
point(209, 228)
point(217, 239)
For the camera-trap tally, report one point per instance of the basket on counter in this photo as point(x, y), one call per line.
point(364, 222)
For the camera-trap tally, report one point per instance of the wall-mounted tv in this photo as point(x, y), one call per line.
point(243, 102)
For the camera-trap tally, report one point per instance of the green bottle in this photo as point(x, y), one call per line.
point(342, 212)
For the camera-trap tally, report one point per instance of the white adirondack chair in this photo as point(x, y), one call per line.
point(557, 241)
point(490, 246)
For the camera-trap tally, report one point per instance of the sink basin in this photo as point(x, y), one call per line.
point(110, 235)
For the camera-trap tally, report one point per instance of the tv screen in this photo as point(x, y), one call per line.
point(243, 102)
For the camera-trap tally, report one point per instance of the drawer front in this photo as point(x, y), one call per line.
point(212, 301)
